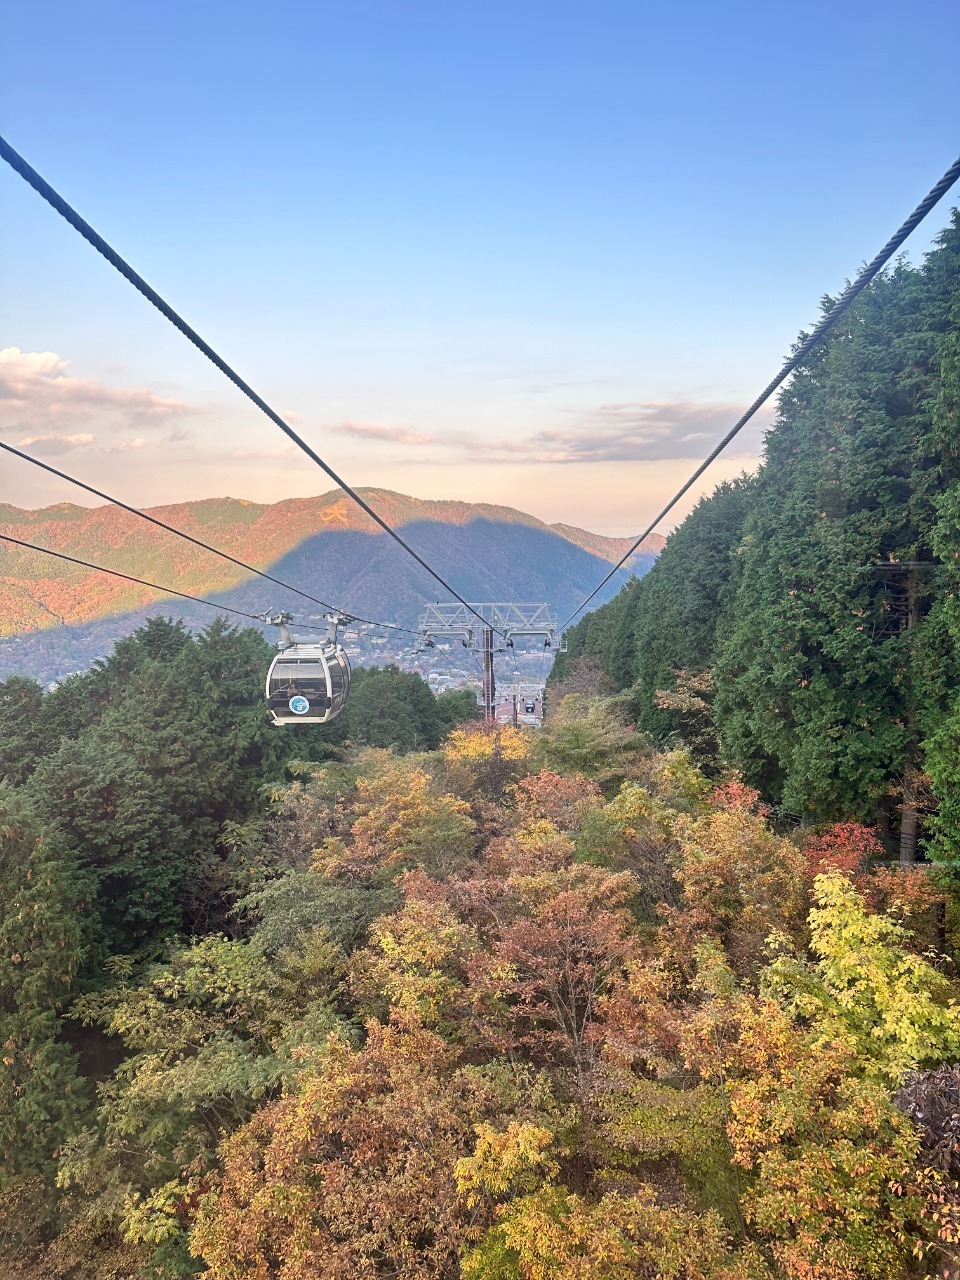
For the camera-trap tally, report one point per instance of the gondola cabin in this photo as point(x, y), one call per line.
point(307, 683)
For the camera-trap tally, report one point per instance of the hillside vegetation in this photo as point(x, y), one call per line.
point(640, 996)
point(481, 1003)
point(804, 622)
point(57, 618)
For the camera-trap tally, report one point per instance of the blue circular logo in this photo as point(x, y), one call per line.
point(299, 705)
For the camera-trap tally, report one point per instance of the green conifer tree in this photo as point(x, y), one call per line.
point(42, 900)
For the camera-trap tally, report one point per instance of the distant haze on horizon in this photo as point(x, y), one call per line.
point(539, 256)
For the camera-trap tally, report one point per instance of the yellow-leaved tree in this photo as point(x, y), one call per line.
point(808, 1064)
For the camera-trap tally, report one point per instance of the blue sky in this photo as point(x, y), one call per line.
point(527, 253)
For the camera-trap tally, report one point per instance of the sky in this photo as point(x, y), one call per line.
point(531, 253)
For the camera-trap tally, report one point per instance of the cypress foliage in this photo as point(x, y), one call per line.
point(939, 708)
point(813, 696)
point(676, 627)
point(667, 620)
point(596, 634)
point(41, 904)
point(835, 678)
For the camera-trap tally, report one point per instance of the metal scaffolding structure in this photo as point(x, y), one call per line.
point(476, 625)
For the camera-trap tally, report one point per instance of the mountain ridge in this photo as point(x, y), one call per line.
point(57, 617)
point(335, 510)
point(37, 593)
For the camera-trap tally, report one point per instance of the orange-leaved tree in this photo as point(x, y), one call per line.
point(400, 818)
point(739, 881)
point(565, 940)
point(352, 1174)
point(562, 800)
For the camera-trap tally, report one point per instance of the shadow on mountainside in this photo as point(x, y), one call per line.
point(367, 574)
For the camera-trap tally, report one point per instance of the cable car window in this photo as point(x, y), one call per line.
point(336, 679)
point(298, 677)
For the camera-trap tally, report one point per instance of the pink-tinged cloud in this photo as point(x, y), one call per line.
point(635, 431)
point(380, 431)
point(278, 451)
point(124, 446)
point(639, 431)
point(38, 396)
point(50, 443)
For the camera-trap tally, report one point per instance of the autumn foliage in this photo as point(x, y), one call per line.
point(522, 1008)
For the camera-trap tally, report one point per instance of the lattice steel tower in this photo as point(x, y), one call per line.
point(500, 624)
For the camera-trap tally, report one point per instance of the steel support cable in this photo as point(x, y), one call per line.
point(459, 670)
point(543, 663)
point(476, 662)
point(473, 656)
point(197, 542)
point(154, 586)
point(516, 672)
point(57, 202)
point(849, 294)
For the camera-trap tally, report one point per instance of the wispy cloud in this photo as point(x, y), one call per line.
point(52, 412)
point(124, 446)
point(278, 451)
point(51, 443)
point(39, 396)
point(634, 431)
point(381, 431)
point(631, 431)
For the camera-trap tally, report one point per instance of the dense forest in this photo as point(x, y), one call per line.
point(644, 995)
point(803, 624)
point(495, 1004)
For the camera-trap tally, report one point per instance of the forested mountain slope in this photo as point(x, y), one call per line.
point(815, 605)
point(463, 1004)
point(58, 617)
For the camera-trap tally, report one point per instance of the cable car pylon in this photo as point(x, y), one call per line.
point(505, 620)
